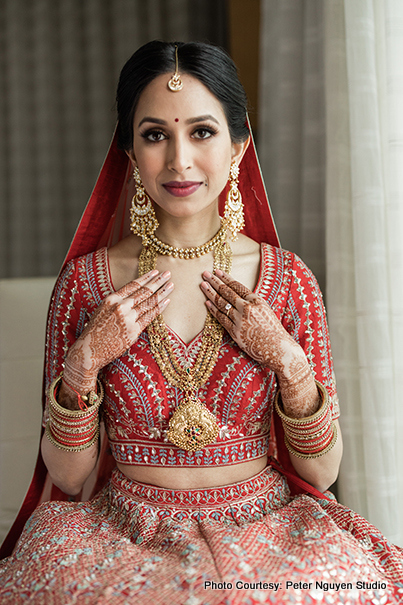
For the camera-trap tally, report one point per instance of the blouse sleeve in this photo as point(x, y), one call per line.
point(305, 319)
point(66, 320)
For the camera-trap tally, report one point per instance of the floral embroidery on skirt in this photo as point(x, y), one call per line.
point(245, 543)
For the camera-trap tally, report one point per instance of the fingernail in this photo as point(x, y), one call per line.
point(219, 272)
point(166, 301)
point(153, 272)
point(166, 274)
point(207, 274)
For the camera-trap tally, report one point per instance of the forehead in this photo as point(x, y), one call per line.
point(193, 100)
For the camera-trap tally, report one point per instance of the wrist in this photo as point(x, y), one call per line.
point(77, 378)
point(312, 436)
point(69, 429)
point(84, 401)
point(299, 392)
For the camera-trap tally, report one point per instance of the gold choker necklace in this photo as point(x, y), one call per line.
point(187, 253)
point(192, 426)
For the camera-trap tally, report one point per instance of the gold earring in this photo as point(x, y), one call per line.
point(143, 221)
point(233, 211)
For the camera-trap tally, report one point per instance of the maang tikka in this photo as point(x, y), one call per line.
point(175, 83)
point(143, 221)
point(233, 211)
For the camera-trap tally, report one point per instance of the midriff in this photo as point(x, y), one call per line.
point(194, 478)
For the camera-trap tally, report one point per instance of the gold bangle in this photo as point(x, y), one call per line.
point(70, 448)
point(73, 430)
point(94, 398)
point(312, 436)
point(306, 419)
point(313, 454)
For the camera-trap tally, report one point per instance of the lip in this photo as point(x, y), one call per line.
point(182, 188)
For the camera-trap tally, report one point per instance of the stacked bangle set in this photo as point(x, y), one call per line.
point(69, 430)
point(74, 431)
point(312, 436)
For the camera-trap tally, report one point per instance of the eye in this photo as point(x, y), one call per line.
point(154, 136)
point(204, 133)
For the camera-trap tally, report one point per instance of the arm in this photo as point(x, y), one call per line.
point(113, 328)
point(300, 399)
point(321, 472)
point(68, 470)
point(256, 329)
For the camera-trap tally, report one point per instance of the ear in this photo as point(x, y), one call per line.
point(132, 158)
point(239, 149)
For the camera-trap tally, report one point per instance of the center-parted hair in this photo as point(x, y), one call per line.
point(211, 65)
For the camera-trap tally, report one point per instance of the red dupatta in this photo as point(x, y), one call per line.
point(105, 221)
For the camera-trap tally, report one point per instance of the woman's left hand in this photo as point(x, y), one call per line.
point(255, 328)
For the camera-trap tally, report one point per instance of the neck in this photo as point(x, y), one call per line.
point(185, 232)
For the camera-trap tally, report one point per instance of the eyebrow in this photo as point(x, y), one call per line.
point(189, 121)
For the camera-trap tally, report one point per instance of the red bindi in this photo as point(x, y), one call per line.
point(176, 119)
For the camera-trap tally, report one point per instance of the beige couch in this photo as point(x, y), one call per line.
point(23, 309)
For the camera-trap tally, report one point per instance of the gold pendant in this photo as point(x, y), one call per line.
point(192, 426)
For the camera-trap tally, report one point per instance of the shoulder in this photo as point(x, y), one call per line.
point(285, 279)
point(123, 260)
point(88, 275)
point(86, 260)
point(286, 264)
point(245, 261)
point(86, 266)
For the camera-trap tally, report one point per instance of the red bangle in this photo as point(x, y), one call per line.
point(73, 430)
point(312, 436)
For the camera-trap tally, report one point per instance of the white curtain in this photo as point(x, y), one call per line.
point(59, 64)
point(292, 125)
point(364, 210)
point(357, 126)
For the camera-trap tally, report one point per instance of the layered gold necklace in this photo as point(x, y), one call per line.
point(192, 426)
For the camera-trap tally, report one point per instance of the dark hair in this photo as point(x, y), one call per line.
point(209, 64)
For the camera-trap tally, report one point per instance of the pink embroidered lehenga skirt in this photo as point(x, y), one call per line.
point(245, 543)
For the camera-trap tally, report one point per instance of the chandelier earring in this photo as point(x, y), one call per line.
point(233, 211)
point(143, 221)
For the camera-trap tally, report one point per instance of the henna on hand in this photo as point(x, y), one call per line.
point(113, 328)
point(256, 329)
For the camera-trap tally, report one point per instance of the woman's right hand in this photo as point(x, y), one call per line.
point(114, 327)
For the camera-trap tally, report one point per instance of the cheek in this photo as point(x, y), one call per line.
point(219, 164)
point(149, 166)
point(218, 155)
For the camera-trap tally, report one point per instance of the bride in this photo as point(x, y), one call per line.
point(189, 379)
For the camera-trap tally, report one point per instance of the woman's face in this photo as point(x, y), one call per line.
point(182, 146)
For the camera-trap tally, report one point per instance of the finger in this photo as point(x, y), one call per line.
point(158, 281)
point(151, 314)
point(147, 292)
point(215, 289)
point(236, 286)
point(135, 298)
point(136, 284)
point(221, 303)
point(221, 317)
point(150, 302)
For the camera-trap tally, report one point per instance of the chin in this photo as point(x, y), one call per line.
point(184, 208)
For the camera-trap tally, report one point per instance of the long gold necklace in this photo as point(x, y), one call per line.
point(192, 426)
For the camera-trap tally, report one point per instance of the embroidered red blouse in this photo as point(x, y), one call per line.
point(139, 401)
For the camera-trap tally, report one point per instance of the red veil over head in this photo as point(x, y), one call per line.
point(105, 221)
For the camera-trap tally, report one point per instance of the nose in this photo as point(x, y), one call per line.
point(178, 155)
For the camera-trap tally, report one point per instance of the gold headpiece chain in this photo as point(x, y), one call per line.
point(175, 83)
